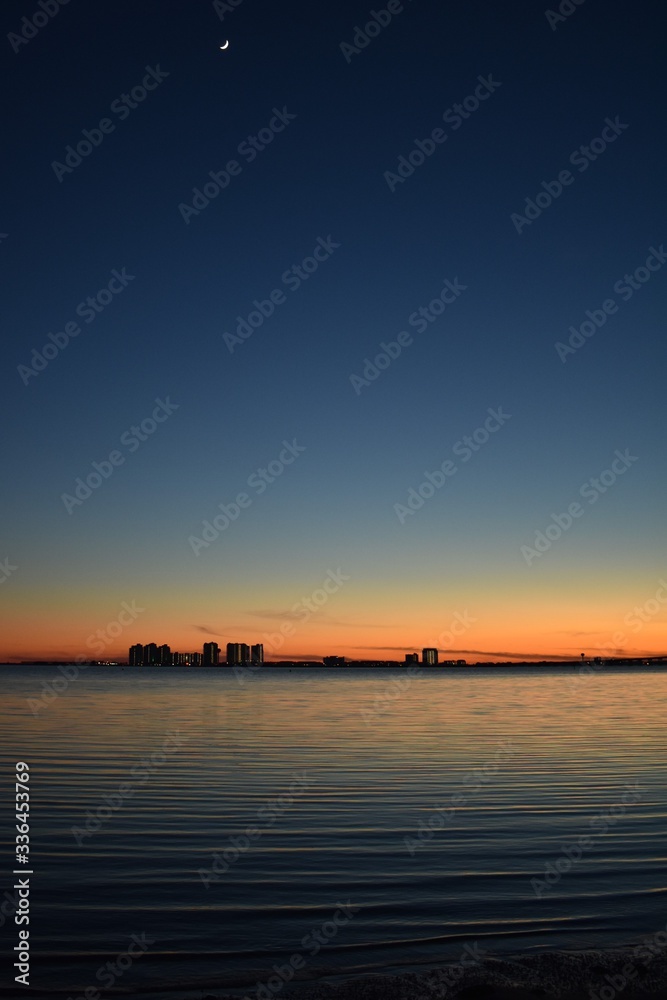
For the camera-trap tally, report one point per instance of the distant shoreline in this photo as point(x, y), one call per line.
point(640, 663)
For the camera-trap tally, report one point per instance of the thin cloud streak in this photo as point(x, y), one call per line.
point(472, 652)
point(313, 616)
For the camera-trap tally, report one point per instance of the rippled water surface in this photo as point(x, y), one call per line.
point(329, 779)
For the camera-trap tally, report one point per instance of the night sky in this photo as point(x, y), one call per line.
point(306, 136)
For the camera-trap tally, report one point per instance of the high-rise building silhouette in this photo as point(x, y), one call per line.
point(234, 653)
point(136, 655)
point(164, 653)
point(211, 654)
point(151, 655)
point(412, 657)
point(257, 653)
point(429, 656)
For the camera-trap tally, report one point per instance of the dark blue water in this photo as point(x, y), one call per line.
point(323, 777)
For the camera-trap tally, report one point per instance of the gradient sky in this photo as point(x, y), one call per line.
point(459, 557)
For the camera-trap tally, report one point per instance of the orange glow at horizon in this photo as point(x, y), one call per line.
point(473, 619)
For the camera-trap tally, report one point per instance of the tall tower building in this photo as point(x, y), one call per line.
point(151, 655)
point(136, 655)
point(257, 653)
point(211, 654)
point(238, 653)
point(429, 656)
point(164, 654)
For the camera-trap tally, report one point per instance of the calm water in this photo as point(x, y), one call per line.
point(557, 754)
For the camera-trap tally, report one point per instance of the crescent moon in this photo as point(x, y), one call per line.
point(226, 45)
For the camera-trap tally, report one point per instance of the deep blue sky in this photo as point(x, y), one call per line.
point(323, 176)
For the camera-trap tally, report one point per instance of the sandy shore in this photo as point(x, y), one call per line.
point(627, 973)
